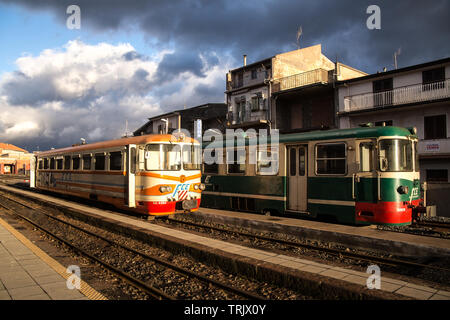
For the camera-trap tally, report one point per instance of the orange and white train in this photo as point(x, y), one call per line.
point(150, 174)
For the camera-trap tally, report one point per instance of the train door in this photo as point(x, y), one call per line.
point(131, 175)
point(297, 175)
point(365, 182)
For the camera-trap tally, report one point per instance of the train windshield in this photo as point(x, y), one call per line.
point(395, 155)
point(163, 157)
point(192, 155)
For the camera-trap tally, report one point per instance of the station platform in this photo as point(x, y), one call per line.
point(28, 273)
point(242, 254)
point(361, 237)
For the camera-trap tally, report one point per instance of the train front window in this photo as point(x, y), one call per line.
point(163, 157)
point(395, 155)
point(192, 155)
point(416, 157)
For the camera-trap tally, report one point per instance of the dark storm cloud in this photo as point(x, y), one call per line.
point(263, 28)
point(176, 63)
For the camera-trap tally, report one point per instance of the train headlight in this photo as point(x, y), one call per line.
point(202, 186)
point(163, 189)
point(403, 190)
point(196, 187)
point(169, 189)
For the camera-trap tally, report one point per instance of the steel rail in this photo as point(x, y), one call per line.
point(338, 252)
point(167, 264)
point(152, 291)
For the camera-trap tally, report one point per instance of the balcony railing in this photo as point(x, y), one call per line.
point(300, 80)
point(398, 96)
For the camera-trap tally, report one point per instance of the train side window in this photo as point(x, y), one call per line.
point(331, 159)
point(99, 161)
point(366, 157)
point(52, 163)
point(87, 162)
point(41, 164)
point(66, 162)
point(267, 161)
point(59, 164)
point(212, 168)
point(76, 163)
point(45, 163)
point(115, 160)
point(238, 163)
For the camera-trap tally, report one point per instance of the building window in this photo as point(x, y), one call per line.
point(87, 162)
point(437, 175)
point(115, 160)
point(382, 90)
point(387, 123)
point(433, 79)
point(254, 74)
point(99, 162)
point(255, 103)
point(331, 158)
point(240, 81)
point(52, 163)
point(41, 166)
point(435, 127)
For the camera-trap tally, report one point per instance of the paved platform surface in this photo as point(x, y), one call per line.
point(27, 273)
point(406, 289)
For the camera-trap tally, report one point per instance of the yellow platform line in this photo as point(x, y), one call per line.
point(85, 289)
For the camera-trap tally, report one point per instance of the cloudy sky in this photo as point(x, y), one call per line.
point(134, 59)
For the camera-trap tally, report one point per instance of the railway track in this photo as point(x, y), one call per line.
point(11, 205)
point(333, 251)
point(438, 225)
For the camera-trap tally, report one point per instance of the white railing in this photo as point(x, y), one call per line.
point(398, 96)
point(300, 80)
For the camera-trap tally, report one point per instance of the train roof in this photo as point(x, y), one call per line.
point(116, 143)
point(339, 134)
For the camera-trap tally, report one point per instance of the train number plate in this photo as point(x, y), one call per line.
point(189, 204)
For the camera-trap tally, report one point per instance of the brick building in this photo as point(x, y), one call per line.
point(14, 160)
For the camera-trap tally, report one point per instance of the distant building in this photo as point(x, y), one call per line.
point(14, 160)
point(289, 91)
point(415, 96)
point(212, 116)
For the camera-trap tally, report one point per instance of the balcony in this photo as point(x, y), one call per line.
point(398, 96)
point(300, 80)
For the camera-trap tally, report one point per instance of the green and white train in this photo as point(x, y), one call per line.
point(367, 175)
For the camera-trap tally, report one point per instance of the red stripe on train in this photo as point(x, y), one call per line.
point(385, 212)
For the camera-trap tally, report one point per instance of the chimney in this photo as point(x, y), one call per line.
point(245, 60)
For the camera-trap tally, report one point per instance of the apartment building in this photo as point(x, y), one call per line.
point(289, 91)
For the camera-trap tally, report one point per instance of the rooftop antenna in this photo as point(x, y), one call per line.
point(396, 54)
point(299, 34)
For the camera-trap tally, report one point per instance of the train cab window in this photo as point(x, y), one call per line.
point(163, 157)
point(331, 159)
point(76, 163)
point(45, 163)
point(115, 160)
point(67, 163)
point(366, 156)
point(41, 164)
point(59, 164)
point(236, 160)
point(100, 161)
point(87, 162)
point(395, 155)
point(267, 161)
point(52, 163)
point(192, 155)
